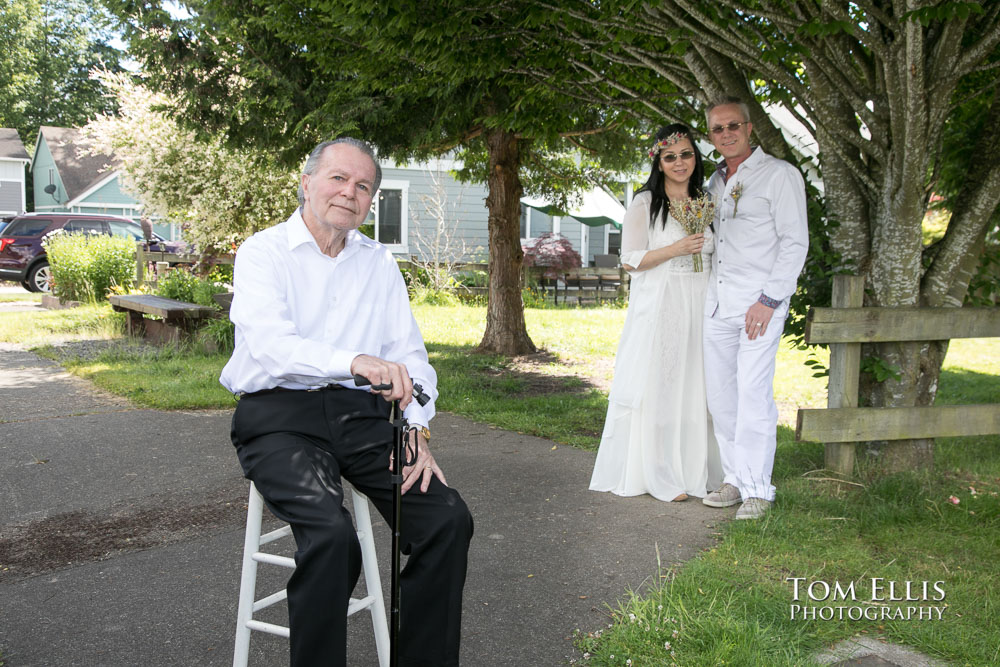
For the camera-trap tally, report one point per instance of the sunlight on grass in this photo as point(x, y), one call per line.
point(981, 355)
point(22, 295)
point(165, 379)
point(52, 326)
point(730, 605)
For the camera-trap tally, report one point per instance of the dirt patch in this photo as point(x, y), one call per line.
point(543, 373)
point(71, 538)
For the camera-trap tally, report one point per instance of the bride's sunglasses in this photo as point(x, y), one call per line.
point(670, 157)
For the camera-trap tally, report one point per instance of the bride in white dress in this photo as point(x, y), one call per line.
point(658, 435)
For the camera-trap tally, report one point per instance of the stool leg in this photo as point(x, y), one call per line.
point(248, 579)
point(373, 581)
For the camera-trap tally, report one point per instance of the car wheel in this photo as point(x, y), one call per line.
point(40, 278)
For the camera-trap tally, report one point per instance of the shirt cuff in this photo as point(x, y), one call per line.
point(340, 364)
point(768, 301)
point(633, 258)
point(416, 415)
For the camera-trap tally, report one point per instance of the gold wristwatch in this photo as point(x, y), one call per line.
point(426, 432)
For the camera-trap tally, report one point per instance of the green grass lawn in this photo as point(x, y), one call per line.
point(21, 295)
point(731, 605)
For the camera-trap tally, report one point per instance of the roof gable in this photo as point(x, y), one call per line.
point(79, 172)
point(11, 146)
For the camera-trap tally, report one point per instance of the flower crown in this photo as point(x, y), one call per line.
point(668, 140)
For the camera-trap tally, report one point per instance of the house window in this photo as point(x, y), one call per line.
point(524, 223)
point(614, 242)
point(387, 221)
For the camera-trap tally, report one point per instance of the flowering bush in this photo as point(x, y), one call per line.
point(218, 195)
point(86, 266)
point(552, 251)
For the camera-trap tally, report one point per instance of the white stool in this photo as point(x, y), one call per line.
point(248, 582)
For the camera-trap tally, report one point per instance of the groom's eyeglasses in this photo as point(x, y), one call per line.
point(732, 127)
point(670, 157)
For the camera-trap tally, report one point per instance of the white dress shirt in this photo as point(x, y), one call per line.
point(302, 317)
point(761, 239)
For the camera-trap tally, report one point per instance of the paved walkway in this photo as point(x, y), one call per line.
point(121, 530)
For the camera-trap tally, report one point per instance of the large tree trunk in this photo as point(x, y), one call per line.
point(506, 332)
point(893, 280)
point(943, 285)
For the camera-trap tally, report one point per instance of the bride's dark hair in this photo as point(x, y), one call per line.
point(654, 184)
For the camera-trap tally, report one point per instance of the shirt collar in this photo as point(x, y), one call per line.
point(299, 234)
point(756, 156)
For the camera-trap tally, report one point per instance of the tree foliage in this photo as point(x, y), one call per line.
point(219, 195)
point(552, 251)
point(415, 79)
point(881, 87)
point(48, 51)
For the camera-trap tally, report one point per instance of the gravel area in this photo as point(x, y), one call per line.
point(88, 348)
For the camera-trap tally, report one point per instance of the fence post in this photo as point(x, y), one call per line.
point(140, 264)
point(845, 366)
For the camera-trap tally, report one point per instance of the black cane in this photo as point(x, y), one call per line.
point(399, 461)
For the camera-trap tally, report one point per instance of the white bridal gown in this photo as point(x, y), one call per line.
point(658, 435)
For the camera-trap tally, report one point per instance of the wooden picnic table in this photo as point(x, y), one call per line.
point(176, 318)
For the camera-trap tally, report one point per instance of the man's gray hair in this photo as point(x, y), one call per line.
point(312, 162)
point(726, 101)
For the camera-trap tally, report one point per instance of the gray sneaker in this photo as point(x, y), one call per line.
point(753, 508)
point(726, 496)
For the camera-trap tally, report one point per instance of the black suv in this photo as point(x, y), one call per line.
point(22, 256)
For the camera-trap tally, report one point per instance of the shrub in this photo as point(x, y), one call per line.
point(177, 284)
point(218, 335)
point(86, 266)
point(182, 285)
point(533, 298)
point(434, 297)
point(552, 251)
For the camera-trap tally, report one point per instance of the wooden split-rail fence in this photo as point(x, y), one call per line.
point(845, 326)
point(161, 260)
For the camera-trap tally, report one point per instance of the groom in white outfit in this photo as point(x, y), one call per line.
point(761, 242)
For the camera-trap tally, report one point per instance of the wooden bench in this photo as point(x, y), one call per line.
point(177, 318)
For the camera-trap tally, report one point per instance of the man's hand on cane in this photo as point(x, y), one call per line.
point(424, 467)
point(380, 372)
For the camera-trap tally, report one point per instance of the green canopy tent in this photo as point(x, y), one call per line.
point(596, 208)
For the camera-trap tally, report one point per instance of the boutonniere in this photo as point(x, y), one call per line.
point(736, 193)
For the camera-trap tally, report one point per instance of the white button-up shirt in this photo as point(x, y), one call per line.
point(761, 237)
point(302, 317)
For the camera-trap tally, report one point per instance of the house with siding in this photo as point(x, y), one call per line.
point(68, 180)
point(413, 196)
point(13, 157)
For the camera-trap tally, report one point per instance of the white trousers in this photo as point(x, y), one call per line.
point(739, 381)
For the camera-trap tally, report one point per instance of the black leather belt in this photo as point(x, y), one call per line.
point(276, 390)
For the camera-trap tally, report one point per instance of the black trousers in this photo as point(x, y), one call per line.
point(296, 446)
